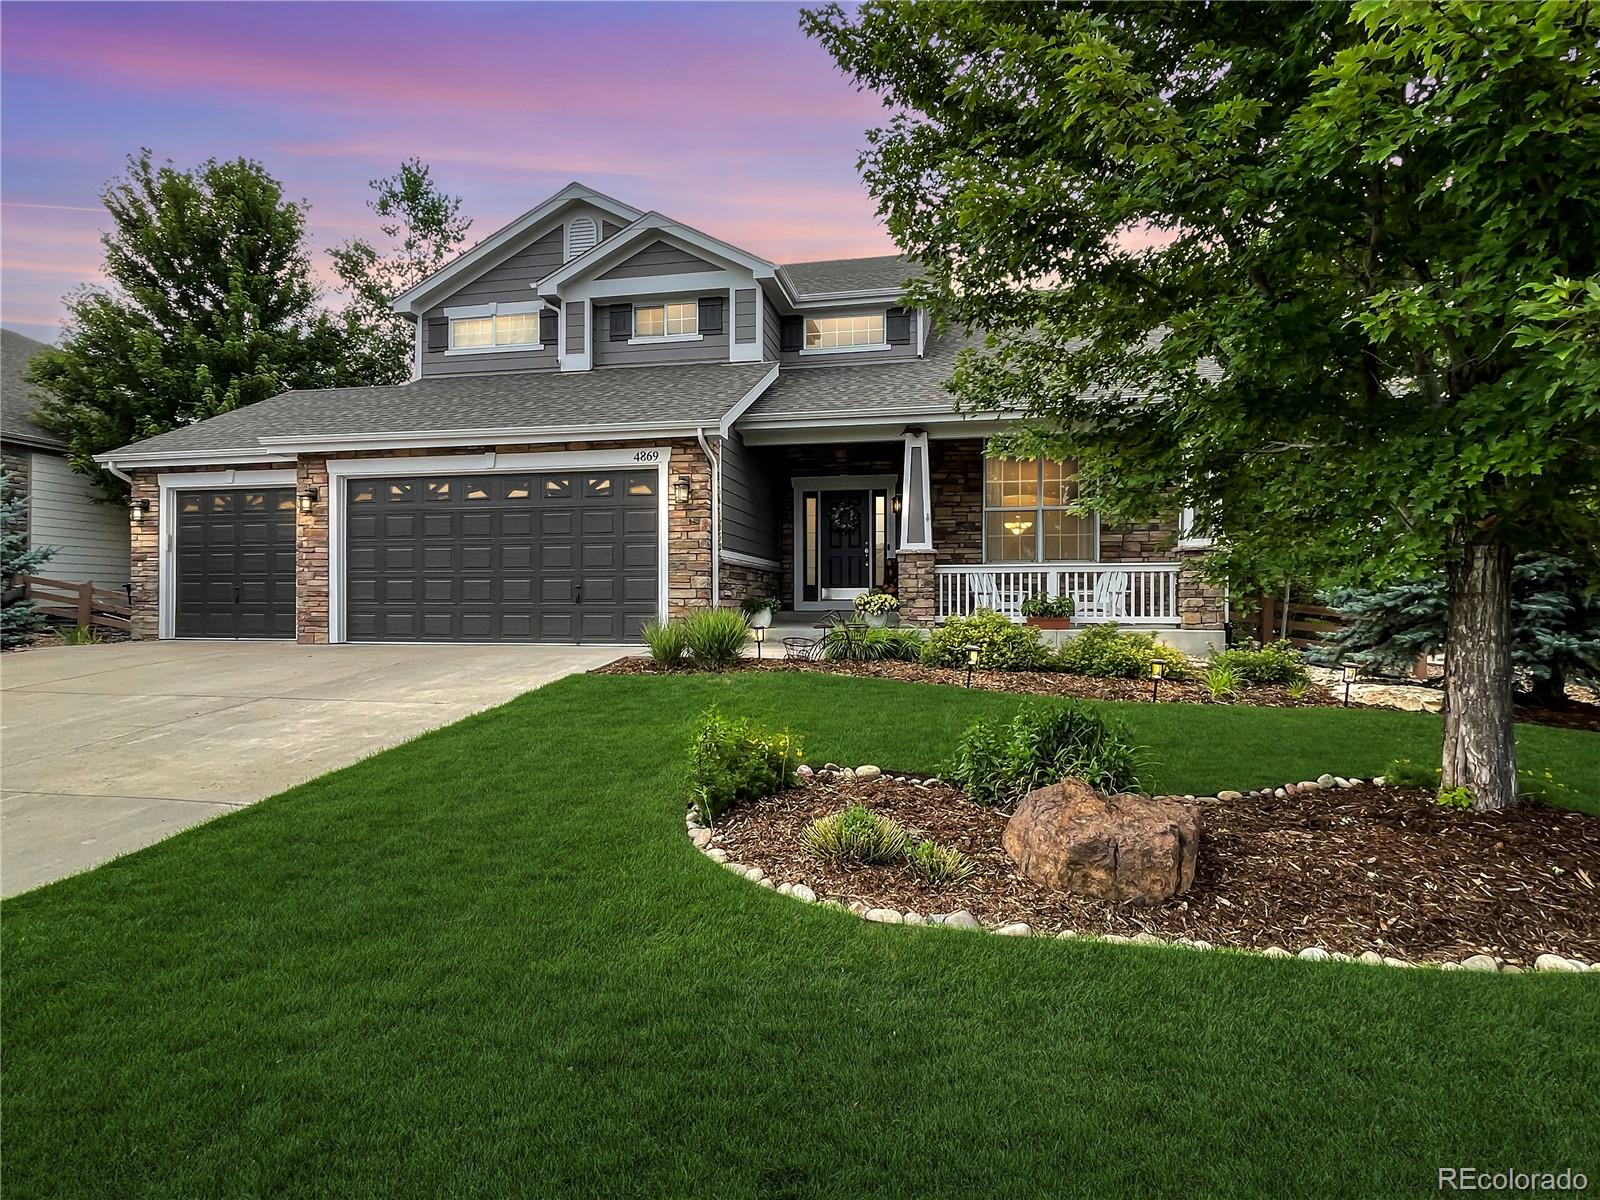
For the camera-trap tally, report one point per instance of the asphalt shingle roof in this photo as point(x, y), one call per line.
point(681, 394)
point(18, 398)
point(886, 273)
point(911, 385)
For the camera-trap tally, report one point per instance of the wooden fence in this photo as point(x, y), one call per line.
point(1297, 622)
point(81, 604)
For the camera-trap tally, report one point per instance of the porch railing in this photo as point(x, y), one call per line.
point(1127, 593)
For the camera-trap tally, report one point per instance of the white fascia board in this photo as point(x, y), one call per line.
point(855, 427)
point(656, 285)
point(654, 223)
point(482, 437)
point(478, 257)
point(255, 454)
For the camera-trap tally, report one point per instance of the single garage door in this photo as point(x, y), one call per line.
point(235, 560)
point(559, 557)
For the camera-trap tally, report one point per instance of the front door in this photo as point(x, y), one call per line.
point(845, 538)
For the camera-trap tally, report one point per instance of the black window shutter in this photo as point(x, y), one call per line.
point(897, 327)
point(439, 335)
point(710, 314)
point(621, 322)
point(548, 328)
point(792, 334)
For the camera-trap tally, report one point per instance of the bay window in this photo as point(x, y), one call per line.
point(1025, 513)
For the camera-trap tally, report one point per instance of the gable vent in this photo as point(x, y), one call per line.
point(582, 234)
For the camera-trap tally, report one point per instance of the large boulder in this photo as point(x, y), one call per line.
point(1125, 848)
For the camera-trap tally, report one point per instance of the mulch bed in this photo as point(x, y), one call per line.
point(1023, 683)
point(1366, 868)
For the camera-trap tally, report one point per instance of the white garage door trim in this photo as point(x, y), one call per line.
point(635, 458)
point(168, 485)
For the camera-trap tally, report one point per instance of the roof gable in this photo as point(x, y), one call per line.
point(649, 228)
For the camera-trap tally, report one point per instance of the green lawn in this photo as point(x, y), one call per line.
point(488, 963)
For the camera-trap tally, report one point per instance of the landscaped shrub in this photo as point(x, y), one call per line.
point(1457, 797)
point(1106, 651)
point(855, 835)
point(1276, 662)
point(733, 760)
point(854, 644)
point(1048, 606)
point(716, 637)
point(938, 865)
point(999, 761)
point(1002, 645)
point(1221, 681)
point(667, 642)
point(1402, 772)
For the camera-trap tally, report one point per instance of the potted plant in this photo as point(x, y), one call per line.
point(1048, 612)
point(876, 607)
point(758, 611)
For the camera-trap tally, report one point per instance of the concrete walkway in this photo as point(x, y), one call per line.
point(104, 749)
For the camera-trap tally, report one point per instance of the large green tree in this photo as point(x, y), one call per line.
point(1325, 273)
point(210, 306)
point(424, 230)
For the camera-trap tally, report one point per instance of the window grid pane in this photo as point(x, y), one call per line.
point(683, 318)
point(1024, 512)
point(650, 321)
point(516, 329)
point(472, 332)
point(832, 333)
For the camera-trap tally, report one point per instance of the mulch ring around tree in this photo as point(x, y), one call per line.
point(1351, 870)
point(1022, 683)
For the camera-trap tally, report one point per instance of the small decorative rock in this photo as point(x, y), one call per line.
point(868, 772)
point(755, 874)
point(1015, 929)
point(1230, 795)
point(830, 766)
point(884, 916)
point(1449, 966)
point(1310, 785)
point(1377, 781)
point(701, 838)
point(802, 893)
point(962, 920)
point(857, 907)
point(738, 868)
point(766, 883)
point(1280, 793)
point(1395, 962)
point(804, 771)
point(1339, 781)
point(1326, 781)
point(1510, 969)
point(785, 889)
point(846, 773)
point(1479, 962)
point(1146, 939)
point(1372, 958)
point(717, 854)
point(915, 918)
point(1554, 962)
point(1116, 939)
point(1200, 945)
point(1314, 954)
point(1275, 952)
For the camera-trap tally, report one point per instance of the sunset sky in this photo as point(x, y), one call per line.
point(723, 115)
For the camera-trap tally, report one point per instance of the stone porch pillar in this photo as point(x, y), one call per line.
point(1201, 604)
point(917, 594)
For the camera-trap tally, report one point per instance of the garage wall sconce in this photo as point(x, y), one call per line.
point(137, 509)
point(680, 490)
point(308, 500)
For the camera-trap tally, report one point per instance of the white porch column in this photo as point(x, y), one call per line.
point(916, 502)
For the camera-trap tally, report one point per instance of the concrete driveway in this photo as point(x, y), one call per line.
point(104, 749)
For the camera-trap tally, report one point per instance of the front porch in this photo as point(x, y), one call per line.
point(928, 519)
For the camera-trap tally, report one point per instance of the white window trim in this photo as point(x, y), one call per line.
point(472, 312)
point(881, 314)
point(651, 339)
point(846, 349)
point(1039, 509)
point(341, 470)
point(167, 487)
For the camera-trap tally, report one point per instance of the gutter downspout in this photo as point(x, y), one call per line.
point(118, 472)
point(716, 516)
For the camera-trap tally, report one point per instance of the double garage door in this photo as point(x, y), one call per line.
point(555, 557)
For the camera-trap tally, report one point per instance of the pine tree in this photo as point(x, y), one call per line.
point(19, 620)
point(1555, 625)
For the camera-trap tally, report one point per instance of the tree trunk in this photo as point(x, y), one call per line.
point(1479, 748)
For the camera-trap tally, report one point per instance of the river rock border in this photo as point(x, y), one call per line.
point(704, 840)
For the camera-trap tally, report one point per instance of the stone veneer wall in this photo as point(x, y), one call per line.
point(17, 462)
point(741, 581)
point(688, 531)
point(1201, 605)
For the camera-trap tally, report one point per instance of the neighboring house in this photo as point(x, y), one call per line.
point(89, 536)
point(617, 418)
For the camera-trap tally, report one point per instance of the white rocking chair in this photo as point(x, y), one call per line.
point(1108, 601)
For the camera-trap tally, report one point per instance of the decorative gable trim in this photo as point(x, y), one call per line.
point(654, 225)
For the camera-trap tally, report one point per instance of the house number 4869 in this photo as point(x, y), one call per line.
point(644, 456)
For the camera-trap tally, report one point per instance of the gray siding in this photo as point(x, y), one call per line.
point(658, 258)
point(609, 229)
point(859, 357)
point(575, 320)
point(744, 315)
point(90, 538)
point(712, 347)
point(510, 282)
point(749, 501)
point(771, 333)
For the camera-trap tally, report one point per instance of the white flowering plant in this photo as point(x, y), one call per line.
point(875, 604)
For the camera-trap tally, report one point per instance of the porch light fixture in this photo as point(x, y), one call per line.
point(972, 660)
point(760, 634)
point(1158, 672)
point(895, 504)
point(308, 500)
point(1348, 673)
point(680, 490)
point(137, 509)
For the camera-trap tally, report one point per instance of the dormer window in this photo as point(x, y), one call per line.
point(864, 331)
point(477, 328)
point(582, 234)
point(666, 320)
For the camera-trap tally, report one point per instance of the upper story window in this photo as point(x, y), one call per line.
point(494, 327)
point(864, 331)
point(1025, 517)
point(678, 319)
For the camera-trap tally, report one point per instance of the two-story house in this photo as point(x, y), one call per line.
point(617, 418)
